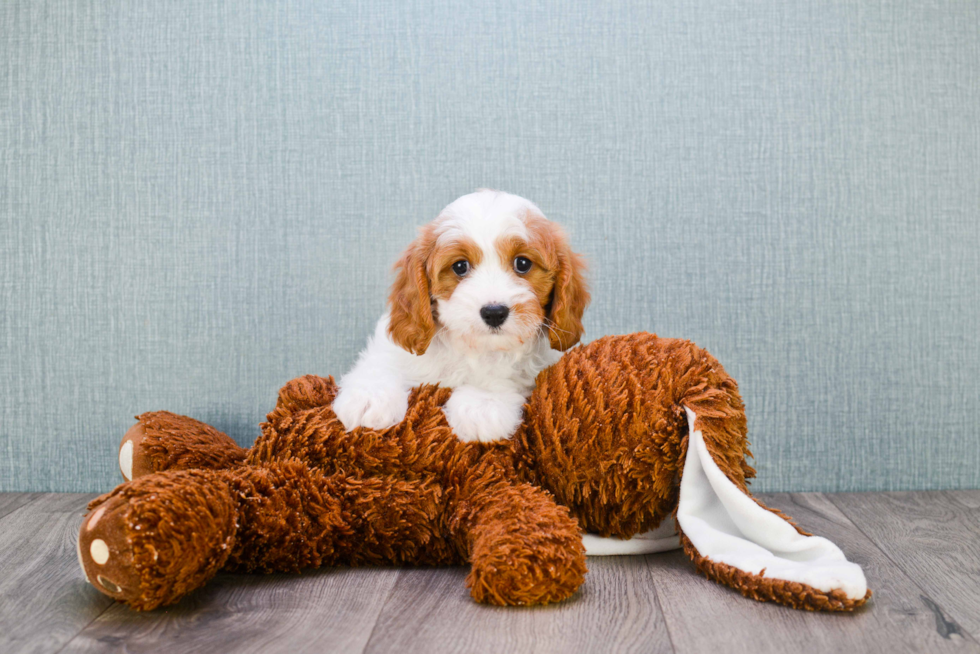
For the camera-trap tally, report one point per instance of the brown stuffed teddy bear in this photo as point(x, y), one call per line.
point(618, 435)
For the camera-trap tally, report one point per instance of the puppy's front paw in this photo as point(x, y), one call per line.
point(478, 415)
point(376, 408)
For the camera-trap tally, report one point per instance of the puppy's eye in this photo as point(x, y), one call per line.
point(461, 267)
point(522, 265)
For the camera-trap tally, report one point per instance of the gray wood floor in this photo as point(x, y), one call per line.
point(920, 552)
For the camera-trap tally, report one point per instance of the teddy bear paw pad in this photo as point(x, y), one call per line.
point(103, 553)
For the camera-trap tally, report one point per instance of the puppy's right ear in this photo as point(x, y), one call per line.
point(411, 326)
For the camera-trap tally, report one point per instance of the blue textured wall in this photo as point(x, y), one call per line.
point(200, 200)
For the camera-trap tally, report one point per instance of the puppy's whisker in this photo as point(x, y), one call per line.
point(551, 326)
point(554, 330)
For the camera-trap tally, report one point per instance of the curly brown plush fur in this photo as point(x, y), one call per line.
point(601, 449)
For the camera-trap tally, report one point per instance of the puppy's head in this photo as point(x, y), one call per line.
point(492, 272)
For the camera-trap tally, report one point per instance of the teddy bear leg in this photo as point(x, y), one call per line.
point(523, 547)
point(294, 517)
point(161, 440)
point(155, 539)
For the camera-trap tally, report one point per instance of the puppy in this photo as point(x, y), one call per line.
point(486, 297)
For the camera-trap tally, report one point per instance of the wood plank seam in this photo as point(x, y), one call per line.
point(660, 606)
point(944, 627)
point(377, 618)
point(14, 506)
point(86, 626)
point(39, 500)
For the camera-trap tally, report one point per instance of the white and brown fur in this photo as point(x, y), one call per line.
point(434, 333)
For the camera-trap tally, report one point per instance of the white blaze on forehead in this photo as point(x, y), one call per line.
point(484, 217)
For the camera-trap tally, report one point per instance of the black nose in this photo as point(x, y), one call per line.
point(494, 314)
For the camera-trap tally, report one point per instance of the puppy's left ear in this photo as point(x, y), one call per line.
point(569, 298)
point(411, 325)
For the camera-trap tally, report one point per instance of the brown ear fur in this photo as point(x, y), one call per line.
point(569, 298)
point(412, 326)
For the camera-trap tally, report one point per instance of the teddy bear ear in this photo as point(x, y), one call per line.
point(738, 542)
point(411, 325)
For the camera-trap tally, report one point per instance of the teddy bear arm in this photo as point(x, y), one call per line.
point(161, 536)
point(523, 547)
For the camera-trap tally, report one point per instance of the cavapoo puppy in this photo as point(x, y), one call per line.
point(486, 297)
